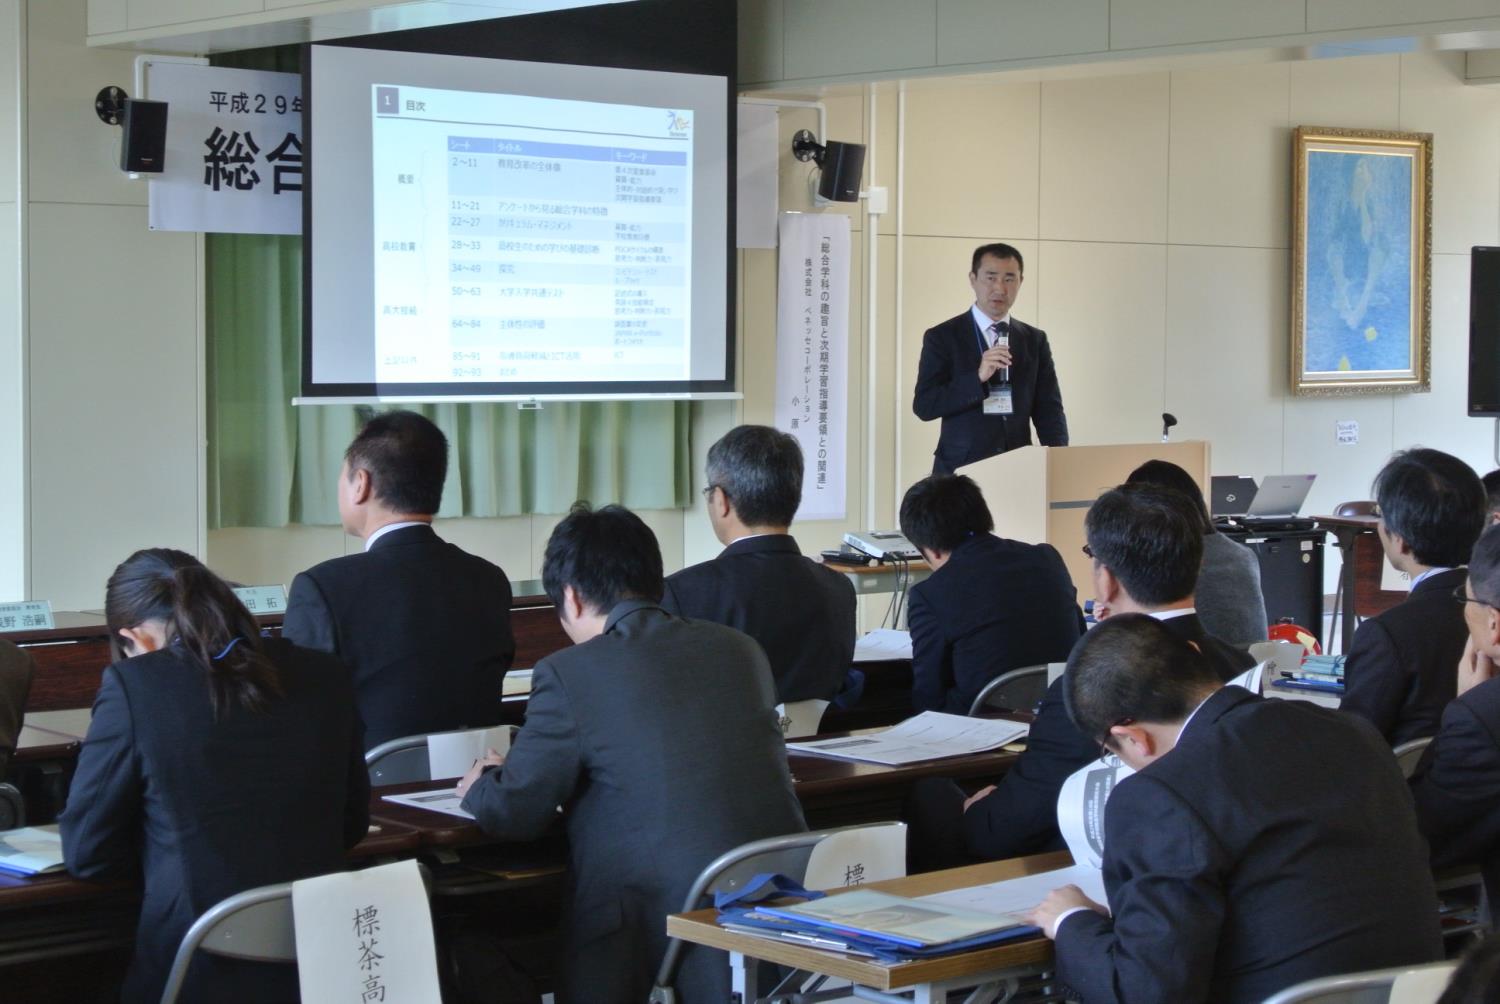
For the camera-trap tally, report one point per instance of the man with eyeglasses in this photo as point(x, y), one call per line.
point(1399, 673)
point(1260, 843)
point(987, 376)
point(801, 613)
point(1147, 547)
point(1457, 783)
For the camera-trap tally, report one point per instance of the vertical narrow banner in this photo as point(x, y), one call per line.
point(812, 355)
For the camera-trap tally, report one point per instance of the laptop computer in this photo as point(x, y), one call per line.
point(1231, 494)
point(1280, 496)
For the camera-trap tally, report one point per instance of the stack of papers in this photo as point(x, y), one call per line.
point(865, 922)
point(32, 850)
point(932, 735)
point(444, 800)
point(1015, 897)
point(883, 645)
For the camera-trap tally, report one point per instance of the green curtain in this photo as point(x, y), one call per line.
point(270, 464)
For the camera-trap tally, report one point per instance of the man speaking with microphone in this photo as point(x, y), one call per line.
point(988, 376)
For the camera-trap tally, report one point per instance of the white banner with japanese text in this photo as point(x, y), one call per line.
point(812, 354)
point(233, 161)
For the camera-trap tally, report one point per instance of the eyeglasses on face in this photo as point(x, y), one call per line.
point(1461, 594)
point(709, 490)
point(1088, 551)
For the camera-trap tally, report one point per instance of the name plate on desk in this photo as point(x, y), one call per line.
point(27, 615)
point(263, 599)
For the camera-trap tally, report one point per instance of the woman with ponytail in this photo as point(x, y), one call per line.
point(216, 761)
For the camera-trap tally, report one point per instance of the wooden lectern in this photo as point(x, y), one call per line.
point(1040, 494)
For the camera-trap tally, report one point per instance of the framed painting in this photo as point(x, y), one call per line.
point(1361, 257)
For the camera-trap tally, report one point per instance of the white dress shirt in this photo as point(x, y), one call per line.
point(372, 538)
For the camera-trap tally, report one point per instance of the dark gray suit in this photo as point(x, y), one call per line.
point(660, 741)
point(1276, 843)
point(15, 684)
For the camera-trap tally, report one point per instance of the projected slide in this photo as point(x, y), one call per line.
point(529, 239)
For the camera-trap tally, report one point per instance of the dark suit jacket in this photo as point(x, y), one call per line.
point(423, 625)
point(660, 741)
point(16, 670)
point(202, 809)
point(1403, 665)
point(1234, 871)
point(801, 613)
point(1457, 785)
point(1020, 816)
point(996, 605)
point(948, 388)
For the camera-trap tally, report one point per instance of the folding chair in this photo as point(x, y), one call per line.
point(801, 718)
point(1016, 690)
point(1401, 985)
point(789, 856)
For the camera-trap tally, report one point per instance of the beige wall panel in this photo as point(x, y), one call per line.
point(74, 157)
point(971, 160)
point(1310, 447)
point(114, 438)
point(1355, 92)
point(757, 378)
point(12, 405)
point(257, 556)
point(935, 289)
point(1140, 24)
point(1327, 15)
point(1226, 353)
point(1440, 419)
point(760, 38)
point(1104, 159)
point(10, 97)
point(1230, 149)
point(505, 541)
point(888, 404)
point(1106, 323)
point(987, 31)
point(150, 13)
point(829, 38)
point(1465, 123)
point(667, 525)
point(887, 103)
point(107, 16)
point(541, 528)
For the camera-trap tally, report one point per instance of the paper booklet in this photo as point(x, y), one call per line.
point(883, 644)
point(1080, 817)
point(932, 735)
point(895, 919)
point(32, 850)
point(444, 800)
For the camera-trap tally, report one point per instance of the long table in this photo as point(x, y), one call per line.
point(928, 979)
point(49, 924)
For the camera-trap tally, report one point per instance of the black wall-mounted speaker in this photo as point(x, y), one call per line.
point(143, 139)
point(1484, 332)
point(843, 163)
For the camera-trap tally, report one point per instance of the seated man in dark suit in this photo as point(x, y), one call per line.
point(1399, 674)
point(15, 684)
point(801, 613)
point(990, 604)
point(1147, 550)
point(659, 739)
point(1229, 598)
point(423, 626)
point(1457, 783)
point(1260, 843)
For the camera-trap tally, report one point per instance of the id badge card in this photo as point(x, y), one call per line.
point(999, 402)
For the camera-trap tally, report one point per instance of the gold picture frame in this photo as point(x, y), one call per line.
point(1361, 261)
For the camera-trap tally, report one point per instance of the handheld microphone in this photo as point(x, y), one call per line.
point(1003, 338)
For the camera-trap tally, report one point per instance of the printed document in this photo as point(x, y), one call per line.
point(443, 800)
point(1015, 897)
point(883, 645)
point(932, 735)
